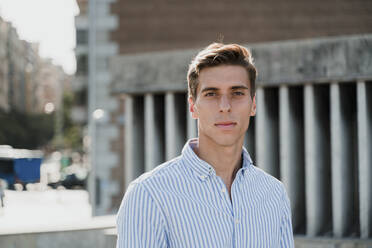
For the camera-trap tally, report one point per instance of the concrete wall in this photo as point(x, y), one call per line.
point(90, 233)
point(107, 239)
point(288, 62)
point(82, 239)
point(303, 242)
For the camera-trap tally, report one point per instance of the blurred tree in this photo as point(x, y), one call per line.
point(72, 134)
point(35, 131)
point(25, 130)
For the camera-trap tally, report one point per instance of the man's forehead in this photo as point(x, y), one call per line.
point(222, 73)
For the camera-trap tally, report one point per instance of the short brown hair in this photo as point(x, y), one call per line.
point(220, 54)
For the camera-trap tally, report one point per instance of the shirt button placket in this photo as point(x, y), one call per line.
point(236, 221)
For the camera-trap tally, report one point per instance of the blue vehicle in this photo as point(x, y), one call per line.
point(20, 165)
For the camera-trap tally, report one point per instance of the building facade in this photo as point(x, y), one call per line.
point(312, 129)
point(104, 110)
point(4, 82)
point(167, 25)
point(140, 52)
point(80, 83)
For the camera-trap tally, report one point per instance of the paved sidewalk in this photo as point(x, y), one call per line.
point(50, 210)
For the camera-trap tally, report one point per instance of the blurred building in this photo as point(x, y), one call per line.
point(27, 81)
point(53, 82)
point(4, 74)
point(97, 105)
point(33, 79)
point(313, 122)
point(80, 83)
point(15, 73)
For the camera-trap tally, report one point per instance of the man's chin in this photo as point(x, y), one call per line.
point(226, 141)
point(223, 140)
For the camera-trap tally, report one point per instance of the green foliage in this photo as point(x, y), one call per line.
point(68, 101)
point(73, 138)
point(35, 131)
point(72, 133)
point(22, 130)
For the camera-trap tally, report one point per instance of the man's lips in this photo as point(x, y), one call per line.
point(225, 124)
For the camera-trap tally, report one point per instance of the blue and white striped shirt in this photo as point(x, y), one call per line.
point(183, 203)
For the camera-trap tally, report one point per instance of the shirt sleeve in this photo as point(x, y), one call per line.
point(140, 223)
point(286, 231)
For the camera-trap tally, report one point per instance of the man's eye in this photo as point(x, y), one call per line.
point(238, 93)
point(210, 94)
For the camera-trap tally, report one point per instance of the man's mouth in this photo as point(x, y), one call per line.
point(225, 124)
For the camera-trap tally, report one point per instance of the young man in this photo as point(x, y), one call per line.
point(212, 195)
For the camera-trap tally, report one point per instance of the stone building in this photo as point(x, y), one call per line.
point(27, 81)
point(15, 70)
point(104, 111)
point(4, 82)
point(80, 82)
point(32, 70)
point(313, 122)
point(312, 129)
point(52, 83)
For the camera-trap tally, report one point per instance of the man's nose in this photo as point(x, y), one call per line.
point(225, 104)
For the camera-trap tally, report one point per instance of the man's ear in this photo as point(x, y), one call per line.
point(192, 108)
point(253, 109)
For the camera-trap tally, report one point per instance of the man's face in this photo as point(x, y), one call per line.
point(223, 105)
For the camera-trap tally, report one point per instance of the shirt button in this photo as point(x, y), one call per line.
point(236, 221)
point(202, 177)
point(223, 190)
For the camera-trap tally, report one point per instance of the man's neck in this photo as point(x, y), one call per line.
point(226, 160)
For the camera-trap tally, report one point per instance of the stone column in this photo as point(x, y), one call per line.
point(342, 159)
point(128, 170)
point(316, 160)
point(267, 131)
point(133, 138)
point(153, 151)
point(292, 150)
point(364, 105)
point(174, 125)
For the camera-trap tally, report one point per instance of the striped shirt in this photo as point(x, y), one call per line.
point(183, 203)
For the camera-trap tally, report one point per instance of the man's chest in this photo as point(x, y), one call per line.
point(211, 219)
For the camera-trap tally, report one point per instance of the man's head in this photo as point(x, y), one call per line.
point(222, 93)
point(220, 54)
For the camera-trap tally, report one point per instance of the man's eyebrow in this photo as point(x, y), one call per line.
point(209, 89)
point(240, 87)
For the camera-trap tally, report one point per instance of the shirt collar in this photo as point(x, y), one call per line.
point(200, 167)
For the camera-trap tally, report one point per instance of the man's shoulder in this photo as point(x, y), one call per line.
point(265, 179)
point(164, 172)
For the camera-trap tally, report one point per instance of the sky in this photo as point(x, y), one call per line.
point(47, 22)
